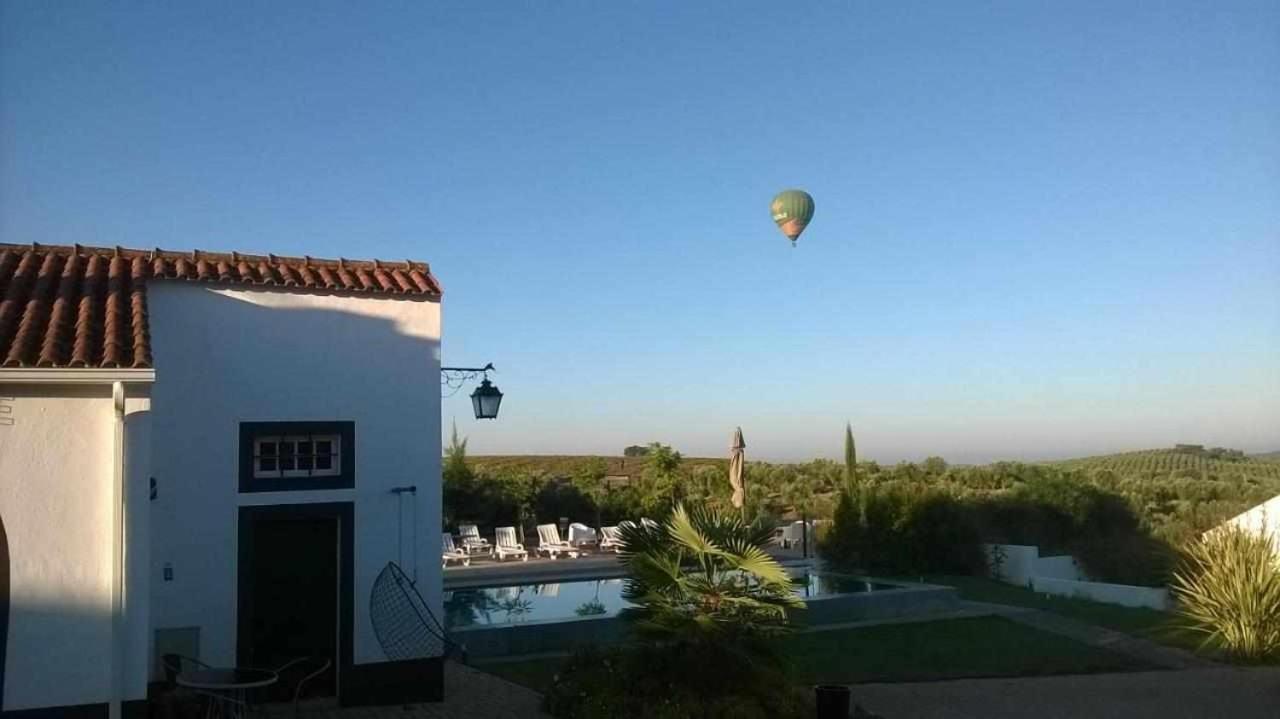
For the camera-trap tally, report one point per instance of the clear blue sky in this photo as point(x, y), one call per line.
point(1043, 229)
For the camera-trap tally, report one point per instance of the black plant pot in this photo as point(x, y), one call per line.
point(833, 701)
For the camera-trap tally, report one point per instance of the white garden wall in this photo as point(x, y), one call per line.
point(1015, 563)
point(1062, 576)
point(1122, 594)
point(1022, 562)
point(1062, 566)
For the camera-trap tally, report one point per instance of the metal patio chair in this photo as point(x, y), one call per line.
point(306, 669)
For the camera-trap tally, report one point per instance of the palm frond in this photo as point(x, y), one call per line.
point(683, 531)
point(702, 577)
point(759, 564)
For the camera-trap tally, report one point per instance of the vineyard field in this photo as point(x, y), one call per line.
point(1166, 461)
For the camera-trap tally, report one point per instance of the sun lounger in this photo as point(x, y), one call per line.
point(472, 542)
point(610, 539)
point(550, 544)
point(507, 546)
point(451, 553)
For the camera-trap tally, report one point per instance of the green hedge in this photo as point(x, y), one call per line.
point(910, 529)
point(673, 682)
point(903, 530)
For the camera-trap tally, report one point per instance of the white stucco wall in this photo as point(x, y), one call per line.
point(226, 355)
point(1017, 562)
point(56, 502)
point(1062, 566)
point(1022, 563)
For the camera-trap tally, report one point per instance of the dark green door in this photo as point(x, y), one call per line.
point(291, 595)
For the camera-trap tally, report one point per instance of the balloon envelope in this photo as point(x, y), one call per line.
point(792, 210)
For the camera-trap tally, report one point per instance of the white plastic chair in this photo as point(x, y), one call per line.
point(581, 535)
point(793, 534)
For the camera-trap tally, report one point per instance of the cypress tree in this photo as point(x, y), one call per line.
point(850, 462)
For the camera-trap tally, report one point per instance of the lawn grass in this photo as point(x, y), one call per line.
point(945, 649)
point(1151, 624)
point(533, 673)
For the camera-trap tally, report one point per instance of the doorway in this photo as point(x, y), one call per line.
point(295, 566)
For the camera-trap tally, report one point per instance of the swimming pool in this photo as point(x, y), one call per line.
point(585, 599)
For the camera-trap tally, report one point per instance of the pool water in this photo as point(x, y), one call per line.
point(583, 599)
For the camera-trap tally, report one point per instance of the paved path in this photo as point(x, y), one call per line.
point(468, 694)
point(1220, 692)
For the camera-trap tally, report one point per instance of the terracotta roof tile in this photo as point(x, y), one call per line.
point(87, 306)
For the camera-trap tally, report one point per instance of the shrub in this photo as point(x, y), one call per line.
point(1126, 558)
point(560, 499)
point(841, 545)
point(1100, 528)
point(911, 528)
point(709, 601)
point(705, 577)
point(1229, 588)
point(941, 537)
point(903, 530)
point(672, 682)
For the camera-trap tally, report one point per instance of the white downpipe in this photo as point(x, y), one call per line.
point(117, 554)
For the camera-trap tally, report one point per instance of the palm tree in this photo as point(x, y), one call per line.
point(704, 576)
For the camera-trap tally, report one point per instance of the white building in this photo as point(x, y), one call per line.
point(197, 453)
point(1263, 519)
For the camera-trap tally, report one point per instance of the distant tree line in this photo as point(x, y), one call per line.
point(1122, 512)
point(1222, 453)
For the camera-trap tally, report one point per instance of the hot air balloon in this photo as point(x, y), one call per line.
point(792, 210)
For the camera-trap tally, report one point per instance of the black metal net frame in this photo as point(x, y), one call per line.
point(405, 626)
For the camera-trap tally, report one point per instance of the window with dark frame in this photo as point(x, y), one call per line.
point(285, 456)
point(299, 455)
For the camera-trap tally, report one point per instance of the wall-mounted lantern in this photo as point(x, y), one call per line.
point(486, 398)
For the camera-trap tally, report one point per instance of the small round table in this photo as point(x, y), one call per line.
point(226, 688)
